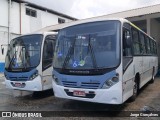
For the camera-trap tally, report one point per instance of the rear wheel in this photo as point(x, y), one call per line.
point(152, 79)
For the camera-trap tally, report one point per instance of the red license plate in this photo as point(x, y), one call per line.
point(79, 93)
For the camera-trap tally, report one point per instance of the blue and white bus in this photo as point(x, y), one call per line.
point(103, 61)
point(28, 64)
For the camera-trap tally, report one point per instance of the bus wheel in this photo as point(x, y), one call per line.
point(135, 92)
point(152, 79)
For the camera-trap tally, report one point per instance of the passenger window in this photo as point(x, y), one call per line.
point(151, 46)
point(155, 47)
point(48, 51)
point(148, 46)
point(143, 47)
point(136, 42)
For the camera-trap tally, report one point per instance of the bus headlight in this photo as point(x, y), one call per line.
point(55, 79)
point(110, 82)
point(34, 75)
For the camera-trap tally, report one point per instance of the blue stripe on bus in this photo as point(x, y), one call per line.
point(88, 82)
point(2, 64)
point(19, 76)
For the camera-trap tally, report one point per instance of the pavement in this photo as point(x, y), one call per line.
point(1, 75)
point(2, 83)
point(148, 99)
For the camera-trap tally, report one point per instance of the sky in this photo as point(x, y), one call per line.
point(82, 9)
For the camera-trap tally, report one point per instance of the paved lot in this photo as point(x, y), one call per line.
point(149, 98)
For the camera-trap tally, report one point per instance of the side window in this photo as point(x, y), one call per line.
point(155, 48)
point(136, 42)
point(148, 46)
point(127, 50)
point(60, 20)
point(142, 40)
point(151, 46)
point(48, 51)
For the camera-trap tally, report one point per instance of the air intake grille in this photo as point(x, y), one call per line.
point(86, 85)
point(18, 78)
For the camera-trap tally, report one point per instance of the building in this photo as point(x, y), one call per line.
point(146, 18)
point(21, 17)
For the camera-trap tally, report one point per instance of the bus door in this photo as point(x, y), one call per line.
point(138, 53)
point(144, 63)
point(47, 59)
point(128, 66)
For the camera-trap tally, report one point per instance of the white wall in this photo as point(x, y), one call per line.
point(15, 18)
point(43, 19)
point(28, 23)
point(4, 13)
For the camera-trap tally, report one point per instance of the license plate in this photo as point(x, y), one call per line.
point(79, 93)
point(18, 85)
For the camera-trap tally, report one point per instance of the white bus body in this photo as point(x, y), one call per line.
point(114, 72)
point(28, 65)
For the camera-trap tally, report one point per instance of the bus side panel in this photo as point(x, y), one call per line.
point(147, 70)
point(129, 76)
point(128, 82)
point(149, 62)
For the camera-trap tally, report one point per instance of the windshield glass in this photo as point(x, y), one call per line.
point(24, 52)
point(88, 46)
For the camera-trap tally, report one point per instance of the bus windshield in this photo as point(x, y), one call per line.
point(88, 46)
point(24, 53)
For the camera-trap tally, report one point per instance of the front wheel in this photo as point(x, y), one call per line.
point(135, 92)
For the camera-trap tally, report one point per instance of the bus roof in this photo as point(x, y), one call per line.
point(44, 33)
point(57, 27)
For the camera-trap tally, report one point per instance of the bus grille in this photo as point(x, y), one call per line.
point(90, 85)
point(86, 85)
point(18, 78)
point(69, 84)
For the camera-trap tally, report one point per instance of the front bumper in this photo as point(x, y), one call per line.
point(33, 85)
point(112, 95)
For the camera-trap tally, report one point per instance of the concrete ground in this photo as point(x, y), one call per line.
point(1, 75)
point(148, 99)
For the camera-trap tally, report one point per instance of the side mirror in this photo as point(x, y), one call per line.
point(2, 49)
point(127, 40)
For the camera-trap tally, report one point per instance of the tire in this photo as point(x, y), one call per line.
point(152, 79)
point(135, 91)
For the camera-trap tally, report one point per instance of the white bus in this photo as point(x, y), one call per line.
point(103, 60)
point(28, 64)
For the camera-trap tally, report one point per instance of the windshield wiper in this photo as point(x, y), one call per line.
point(70, 52)
point(12, 59)
point(92, 54)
